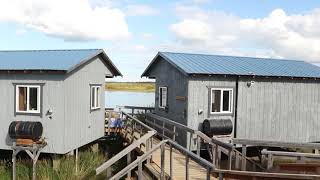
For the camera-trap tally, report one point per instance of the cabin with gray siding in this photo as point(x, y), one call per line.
point(266, 99)
point(62, 89)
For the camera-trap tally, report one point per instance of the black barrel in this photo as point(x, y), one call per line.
point(212, 127)
point(25, 130)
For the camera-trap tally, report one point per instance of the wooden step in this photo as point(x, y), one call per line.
point(145, 175)
point(154, 170)
point(301, 168)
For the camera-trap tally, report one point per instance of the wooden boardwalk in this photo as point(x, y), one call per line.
point(196, 171)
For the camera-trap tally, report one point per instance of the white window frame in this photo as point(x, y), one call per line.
point(221, 101)
point(28, 98)
point(160, 96)
point(97, 100)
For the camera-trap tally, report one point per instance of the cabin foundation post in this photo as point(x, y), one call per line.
point(77, 160)
point(244, 154)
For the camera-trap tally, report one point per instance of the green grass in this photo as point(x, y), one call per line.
point(65, 170)
point(131, 86)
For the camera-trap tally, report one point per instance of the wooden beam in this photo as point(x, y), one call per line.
point(290, 154)
point(265, 143)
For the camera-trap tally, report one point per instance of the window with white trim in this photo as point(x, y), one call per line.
point(163, 92)
point(221, 100)
point(28, 98)
point(95, 97)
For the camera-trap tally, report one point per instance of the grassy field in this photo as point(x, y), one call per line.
point(130, 86)
point(64, 171)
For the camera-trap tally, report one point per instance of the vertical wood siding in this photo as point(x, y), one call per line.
point(199, 98)
point(53, 98)
point(73, 124)
point(82, 125)
point(278, 109)
point(167, 75)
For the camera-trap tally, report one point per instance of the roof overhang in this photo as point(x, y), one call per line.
point(105, 59)
point(146, 71)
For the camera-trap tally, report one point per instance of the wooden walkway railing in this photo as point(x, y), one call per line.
point(141, 135)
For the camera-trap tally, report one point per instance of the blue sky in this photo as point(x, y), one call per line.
point(132, 32)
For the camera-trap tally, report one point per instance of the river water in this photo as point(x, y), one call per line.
point(122, 98)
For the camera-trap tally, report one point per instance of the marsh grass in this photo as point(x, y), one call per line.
point(88, 161)
point(131, 86)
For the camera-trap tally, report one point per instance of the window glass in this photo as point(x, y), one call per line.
point(216, 100)
point(95, 97)
point(28, 98)
point(221, 100)
point(92, 97)
point(33, 99)
point(22, 98)
point(162, 97)
point(226, 101)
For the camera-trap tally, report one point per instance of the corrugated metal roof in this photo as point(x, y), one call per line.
point(233, 65)
point(58, 60)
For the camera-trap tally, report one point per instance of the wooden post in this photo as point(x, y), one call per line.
point(237, 165)
point(208, 173)
point(34, 161)
point(163, 125)
point(174, 133)
point(128, 162)
point(316, 151)
point(14, 161)
point(220, 176)
point(147, 149)
point(190, 141)
point(230, 159)
point(171, 161)
point(198, 145)
point(244, 161)
point(187, 167)
point(132, 112)
point(109, 121)
point(77, 161)
point(162, 177)
point(140, 170)
point(213, 151)
point(270, 161)
point(217, 156)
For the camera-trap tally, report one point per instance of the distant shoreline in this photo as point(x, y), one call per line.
point(130, 86)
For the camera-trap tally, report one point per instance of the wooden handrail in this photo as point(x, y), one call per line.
point(135, 163)
point(139, 122)
point(124, 152)
point(168, 121)
point(180, 148)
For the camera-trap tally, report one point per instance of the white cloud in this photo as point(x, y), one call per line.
point(277, 35)
point(141, 10)
point(70, 20)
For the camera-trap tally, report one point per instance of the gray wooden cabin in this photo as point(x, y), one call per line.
point(266, 99)
point(63, 89)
